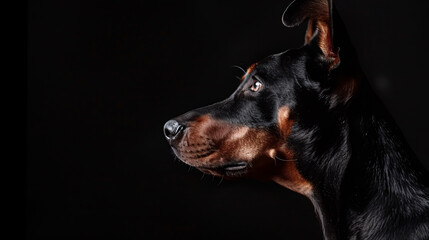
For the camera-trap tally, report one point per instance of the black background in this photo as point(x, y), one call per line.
point(104, 76)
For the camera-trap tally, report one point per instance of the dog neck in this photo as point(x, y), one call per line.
point(383, 175)
point(370, 169)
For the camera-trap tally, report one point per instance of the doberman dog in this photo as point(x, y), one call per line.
point(308, 119)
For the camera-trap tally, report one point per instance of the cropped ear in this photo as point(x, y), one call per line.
point(319, 27)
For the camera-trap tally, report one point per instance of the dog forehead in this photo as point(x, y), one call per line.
point(279, 68)
point(293, 58)
point(268, 64)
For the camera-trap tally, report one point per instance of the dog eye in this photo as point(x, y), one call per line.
point(256, 86)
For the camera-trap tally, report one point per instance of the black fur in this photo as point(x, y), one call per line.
point(368, 184)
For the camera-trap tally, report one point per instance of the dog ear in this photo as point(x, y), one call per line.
point(319, 27)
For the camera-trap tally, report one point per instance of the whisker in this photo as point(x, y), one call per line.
point(221, 179)
point(236, 66)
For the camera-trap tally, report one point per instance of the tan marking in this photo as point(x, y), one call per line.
point(325, 43)
point(318, 29)
point(324, 38)
point(240, 133)
point(271, 153)
point(248, 146)
point(249, 70)
point(230, 142)
point(259, 148)
point(290, 177)
point(310, 31)
point(284, 120)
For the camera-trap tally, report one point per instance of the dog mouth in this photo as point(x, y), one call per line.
point(203, 155)
point(208, 162)
point(230, 169)
point(237, 166)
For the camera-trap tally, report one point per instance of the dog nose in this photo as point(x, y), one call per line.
point(172, 128)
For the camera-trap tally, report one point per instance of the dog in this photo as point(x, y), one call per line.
point(308, 120)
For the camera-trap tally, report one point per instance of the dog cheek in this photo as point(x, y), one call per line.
point(251, 146)
point(238, 146)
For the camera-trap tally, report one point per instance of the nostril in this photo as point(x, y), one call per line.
point(171, 129)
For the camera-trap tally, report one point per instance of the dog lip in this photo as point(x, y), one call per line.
point(235, 166)
point(232, 166)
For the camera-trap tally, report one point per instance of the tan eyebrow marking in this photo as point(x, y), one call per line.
point(249, 70)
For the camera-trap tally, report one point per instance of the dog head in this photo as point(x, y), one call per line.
point(262, 130)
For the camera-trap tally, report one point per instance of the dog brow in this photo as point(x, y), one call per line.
point(249, 70)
